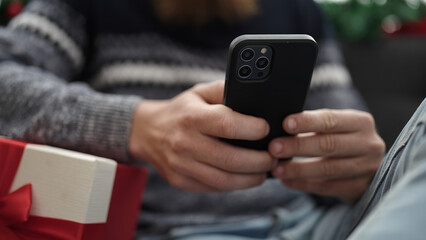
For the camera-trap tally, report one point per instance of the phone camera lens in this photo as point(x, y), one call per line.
point(247, 54)
point(262, 62)
point(244, 71)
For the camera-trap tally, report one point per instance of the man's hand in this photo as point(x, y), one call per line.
point(341, 151)
point(179, 137)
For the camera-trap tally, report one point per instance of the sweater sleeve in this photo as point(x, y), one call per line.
point(331, 85)
point(42, 51)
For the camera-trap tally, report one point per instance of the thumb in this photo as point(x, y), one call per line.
point(211, 92)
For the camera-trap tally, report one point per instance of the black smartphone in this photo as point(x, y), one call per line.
point(268, 76)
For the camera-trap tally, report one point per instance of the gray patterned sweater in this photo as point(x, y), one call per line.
point(73, 71)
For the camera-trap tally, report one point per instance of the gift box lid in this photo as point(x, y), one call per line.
point(66, 185)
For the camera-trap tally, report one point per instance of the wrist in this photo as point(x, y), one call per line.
point(143, 118)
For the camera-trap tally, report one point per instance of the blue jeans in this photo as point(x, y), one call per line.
point(393, 207)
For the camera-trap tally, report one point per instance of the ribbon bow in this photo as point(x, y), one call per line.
point(14, 209)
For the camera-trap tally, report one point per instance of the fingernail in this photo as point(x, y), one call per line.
point(277, 148)
point(291, 124)
point(267, 129)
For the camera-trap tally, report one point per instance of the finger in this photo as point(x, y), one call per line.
point(221, 121)
point(211, 92)
point(326, 168)
point(219, 179)
point(191, 185)
point(231, 158)
point(186, 183)
point(348, 190)
point(328, 121)
point(336, 145)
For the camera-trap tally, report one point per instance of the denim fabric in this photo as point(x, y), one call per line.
point(393, 207)
point(294, 222)
point(396, 209)
point(393, 193)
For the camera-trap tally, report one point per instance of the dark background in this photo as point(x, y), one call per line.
point(391, 76)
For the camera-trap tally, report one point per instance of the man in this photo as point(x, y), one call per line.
point(73, 73)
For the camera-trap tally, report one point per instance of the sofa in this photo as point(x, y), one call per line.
point(391, 76)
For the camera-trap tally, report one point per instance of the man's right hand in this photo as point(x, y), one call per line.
point(179, 137)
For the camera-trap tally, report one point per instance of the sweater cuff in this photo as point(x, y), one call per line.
point(104, 122)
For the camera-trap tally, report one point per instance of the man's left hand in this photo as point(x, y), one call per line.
point(340, 149)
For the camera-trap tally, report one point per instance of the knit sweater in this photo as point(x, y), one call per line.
point(73, 71)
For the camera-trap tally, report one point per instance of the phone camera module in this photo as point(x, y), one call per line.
point(244, 71)
point(262, 62)
point(247, 54)
point(253, 63)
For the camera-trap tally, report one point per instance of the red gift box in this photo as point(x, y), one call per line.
point(52, 193)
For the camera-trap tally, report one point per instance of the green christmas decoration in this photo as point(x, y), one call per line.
point(367, 20)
